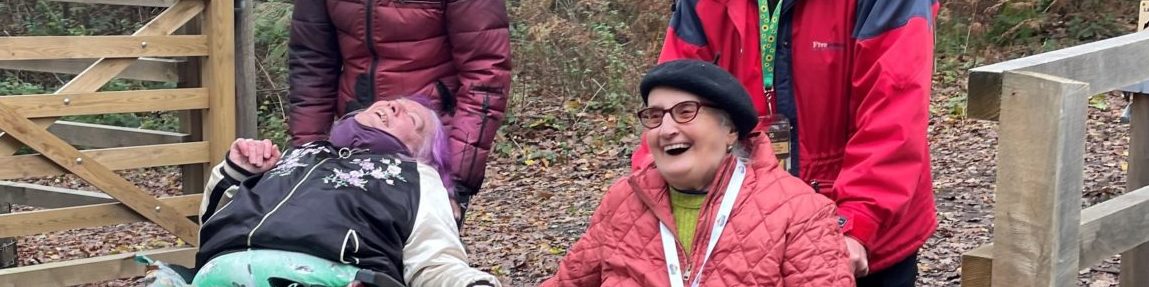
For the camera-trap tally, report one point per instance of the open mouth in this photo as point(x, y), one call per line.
point(676, 149)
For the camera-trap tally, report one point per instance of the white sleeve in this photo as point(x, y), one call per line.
point(434, 255)
point(220, 188)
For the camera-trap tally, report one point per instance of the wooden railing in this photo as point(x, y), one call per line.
point(1042, 237)
point(206, 97)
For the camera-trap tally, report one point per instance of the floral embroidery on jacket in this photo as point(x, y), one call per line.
point(290, 162)
point(389, 172)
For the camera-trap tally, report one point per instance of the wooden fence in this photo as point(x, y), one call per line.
point(1042, 237)
point(202, 60)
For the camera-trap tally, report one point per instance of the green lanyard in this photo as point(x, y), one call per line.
point(769, 30)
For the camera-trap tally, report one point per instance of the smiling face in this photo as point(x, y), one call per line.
point(405, 119)
point(687, 154)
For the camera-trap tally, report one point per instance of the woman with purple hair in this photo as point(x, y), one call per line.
point(368, 206)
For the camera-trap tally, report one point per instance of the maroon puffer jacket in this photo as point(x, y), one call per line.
point(344, 56)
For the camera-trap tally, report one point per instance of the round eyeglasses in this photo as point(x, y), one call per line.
point(682, 113)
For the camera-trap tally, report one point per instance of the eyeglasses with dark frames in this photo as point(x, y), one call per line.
point(684, 112)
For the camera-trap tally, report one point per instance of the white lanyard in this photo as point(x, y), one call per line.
point(670, 248)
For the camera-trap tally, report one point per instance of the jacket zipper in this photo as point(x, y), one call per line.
point(285, 199)
point(371, 48)
point(687, 268)
point(482, 129)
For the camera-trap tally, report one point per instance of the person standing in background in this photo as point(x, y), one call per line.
point(345, 55)
point(843, 88)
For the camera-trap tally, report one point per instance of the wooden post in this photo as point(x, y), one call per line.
point(1039, 181)
point(193, 176)
point(8, 254)
point(246, 106)
point(1135, 262)
point(219, 76)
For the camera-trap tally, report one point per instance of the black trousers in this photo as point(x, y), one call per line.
point(902, 274)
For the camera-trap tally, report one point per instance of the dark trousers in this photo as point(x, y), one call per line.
point(902, 274)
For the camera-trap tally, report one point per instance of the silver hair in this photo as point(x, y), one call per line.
point(740, 152)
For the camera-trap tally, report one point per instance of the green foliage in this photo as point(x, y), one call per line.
point(272, 20)
point(974, 33)
point(16, 86)
point(1099, 101)
point(273, 122)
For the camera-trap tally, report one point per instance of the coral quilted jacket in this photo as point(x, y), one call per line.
point(780, 233)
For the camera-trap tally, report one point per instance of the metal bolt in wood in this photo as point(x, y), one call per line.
point(67, 101)
point(79, 160)
point(144, 45)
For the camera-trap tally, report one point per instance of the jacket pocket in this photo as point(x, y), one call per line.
point(425, 4)
point(822, 186)
point(447, 99)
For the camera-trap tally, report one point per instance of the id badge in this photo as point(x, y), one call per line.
point(779, 134)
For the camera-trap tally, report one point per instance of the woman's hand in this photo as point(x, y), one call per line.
point(254, 156)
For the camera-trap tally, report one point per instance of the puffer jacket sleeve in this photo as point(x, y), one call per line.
point(582, 265)
point(815, 249)
point(480, 40)
point(433, 254)
point(314, 64)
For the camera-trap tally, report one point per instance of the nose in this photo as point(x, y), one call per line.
point(668, 128)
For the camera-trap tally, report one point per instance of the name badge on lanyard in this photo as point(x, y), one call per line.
point(780, 128)
point(670, 248)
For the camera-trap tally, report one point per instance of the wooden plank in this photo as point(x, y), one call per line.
point(91, 270)
point(103, 70)
point(47, 196)
point(1114, 226)
point(1142, 25)
point(977, 267)
point(96, 174)
point(89, 47)
point(68, 218)
point(145, 3)
point(1106, 65)
point(72, 104)
point(1039, 181)
point(145, 69)
point(104, 136)
point(1107, 228)
point(25, 166)
point(8, 254)
point(193, 177)
point(1135, 261)
point(219, 77)
point(245, 85)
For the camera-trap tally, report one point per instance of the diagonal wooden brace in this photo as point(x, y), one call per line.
point(93, 172)
point(105, 69)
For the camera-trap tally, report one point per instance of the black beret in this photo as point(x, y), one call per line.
point(708, 82)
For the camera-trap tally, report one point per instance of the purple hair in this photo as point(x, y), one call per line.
point(436, 148)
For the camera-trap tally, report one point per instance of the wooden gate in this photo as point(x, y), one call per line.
point(1042, 237)
point(27, 120)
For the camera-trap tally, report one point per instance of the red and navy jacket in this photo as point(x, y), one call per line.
point(853, 77)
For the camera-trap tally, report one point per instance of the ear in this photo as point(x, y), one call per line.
point(731, 137)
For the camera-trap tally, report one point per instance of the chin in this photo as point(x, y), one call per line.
point(679, 170)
